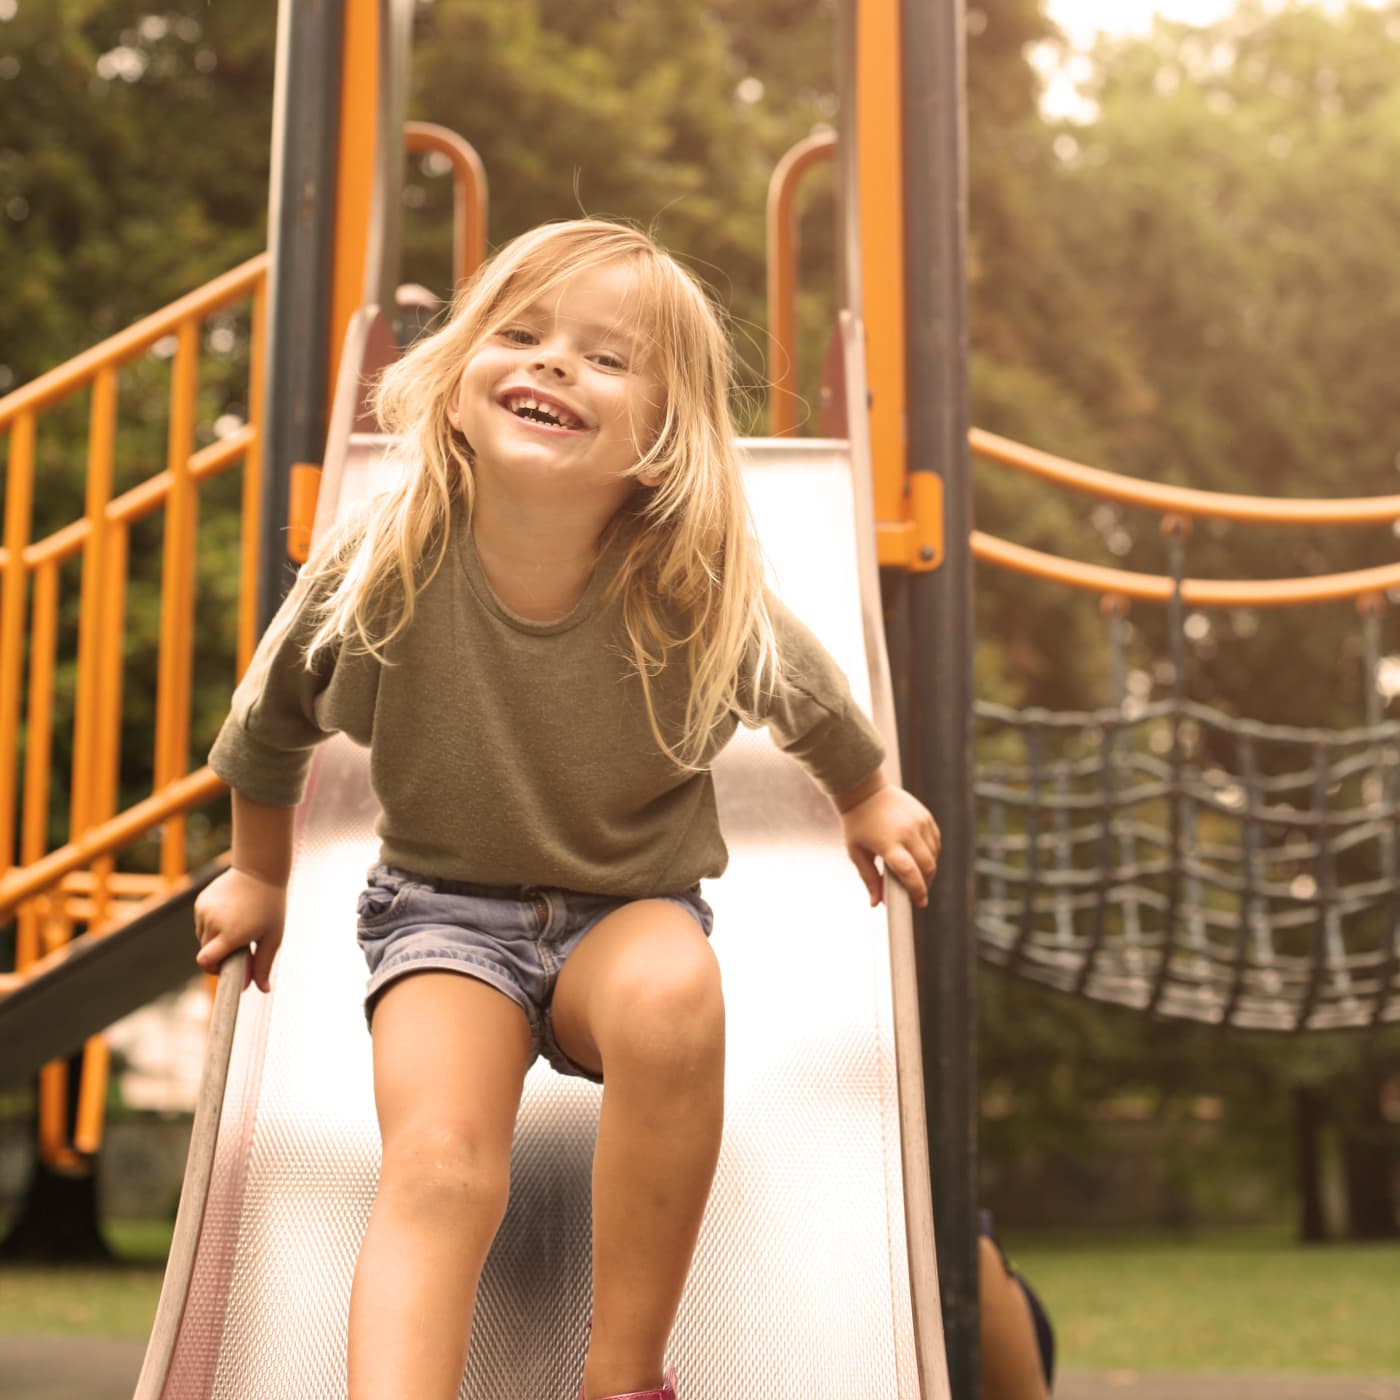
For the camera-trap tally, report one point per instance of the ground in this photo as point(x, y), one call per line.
point(65, 1368)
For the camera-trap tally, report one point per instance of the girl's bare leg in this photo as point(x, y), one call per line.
point(450, 1055)
point(1011, 1367)
point(640, 999)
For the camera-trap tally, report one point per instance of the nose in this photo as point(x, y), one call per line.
point(552, 357)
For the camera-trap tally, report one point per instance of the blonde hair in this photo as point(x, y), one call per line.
point(691, 576)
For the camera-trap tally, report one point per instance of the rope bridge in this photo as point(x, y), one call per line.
point(1172, 858)
point(1112, 862)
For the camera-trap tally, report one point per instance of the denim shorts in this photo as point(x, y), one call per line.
point(512, 938)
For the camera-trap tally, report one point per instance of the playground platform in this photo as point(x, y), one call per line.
point(93, 1368)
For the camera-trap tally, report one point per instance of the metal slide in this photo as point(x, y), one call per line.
point(814, 1276)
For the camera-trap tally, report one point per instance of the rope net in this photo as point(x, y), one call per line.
point(1172, 858)
point(1113, 863)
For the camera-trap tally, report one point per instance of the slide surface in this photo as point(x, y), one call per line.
point(801, 1285)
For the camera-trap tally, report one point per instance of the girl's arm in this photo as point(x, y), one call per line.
point(247, 905)
point(879, 819)
point(813, 717)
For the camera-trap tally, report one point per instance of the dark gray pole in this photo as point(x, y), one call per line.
point(301, 228)
point(940, 619)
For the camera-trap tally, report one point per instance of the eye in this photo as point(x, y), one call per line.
point(518, 335)
point(609, 361)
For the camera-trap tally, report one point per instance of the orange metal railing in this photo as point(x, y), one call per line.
point(1180, 500)
point(54, 894)
point(468, 192)
point(1178, 505)
point(469, 206)
point(101, 537)
point(909, 513)
point(1115, 586)
point(783, 397)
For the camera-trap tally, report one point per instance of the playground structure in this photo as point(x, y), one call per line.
point(1089, 874)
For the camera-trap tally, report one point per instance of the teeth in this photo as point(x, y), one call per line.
point(523, 403)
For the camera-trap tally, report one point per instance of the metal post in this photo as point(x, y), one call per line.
point(382, 244)
point(301, 224)
point(940, 616)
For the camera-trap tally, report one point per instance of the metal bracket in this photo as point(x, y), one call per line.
point(304, 485)
point(916, 542)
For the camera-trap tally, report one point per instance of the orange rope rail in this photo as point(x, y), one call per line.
point(1200, 593)
point(1181, 500)
point(1365, 584)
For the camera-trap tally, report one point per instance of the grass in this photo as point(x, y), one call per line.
point(113, 1301)
point(1250, 1300)
point(1245, 1300)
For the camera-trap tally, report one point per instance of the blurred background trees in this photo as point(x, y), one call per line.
point(1195, 285)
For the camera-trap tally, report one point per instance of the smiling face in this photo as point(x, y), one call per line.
point(564, 396)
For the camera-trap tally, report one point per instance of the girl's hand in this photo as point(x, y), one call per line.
point(878, 819)
point(240, 910)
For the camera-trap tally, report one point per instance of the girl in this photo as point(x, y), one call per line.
point(544, 633)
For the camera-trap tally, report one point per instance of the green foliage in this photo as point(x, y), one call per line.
point(670, 116)
point(134, 148)
point(1231, 203)
point(1046, 369)
point(1196, 288)
point(133, 162)
point(80, 1302)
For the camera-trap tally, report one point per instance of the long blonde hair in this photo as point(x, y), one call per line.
point(691, 576)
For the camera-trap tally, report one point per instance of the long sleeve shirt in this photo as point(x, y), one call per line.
point(510, 751)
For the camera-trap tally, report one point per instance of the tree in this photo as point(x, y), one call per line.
point(1232, 200)
point(133, 167)
point(669, 116)
point(133, 162)
point(1224, 219)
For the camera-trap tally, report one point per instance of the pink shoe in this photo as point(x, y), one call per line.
point(667, 1391)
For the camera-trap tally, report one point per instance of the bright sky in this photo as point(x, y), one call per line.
point(1081, 20)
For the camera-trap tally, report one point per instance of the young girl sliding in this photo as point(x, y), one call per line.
point(544, 633)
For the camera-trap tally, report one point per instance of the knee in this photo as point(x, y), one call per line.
point(668, 1016)
point(442, 1175)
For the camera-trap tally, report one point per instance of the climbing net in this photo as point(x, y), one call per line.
point(1112, 863)
point(1169, 857)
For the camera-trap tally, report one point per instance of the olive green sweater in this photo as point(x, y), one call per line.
point(508, 751)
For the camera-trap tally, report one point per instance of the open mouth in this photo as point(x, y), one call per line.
point(543, 413)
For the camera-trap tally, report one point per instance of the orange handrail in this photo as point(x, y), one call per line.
point(55, 891)
point(1182, 500)
point(469, 201)
point(782, 278)
point(107, 837)
point(125, 345)
point(19, 500)
point(100, 536)
point(468, 193)
point(1195, 592)
point(1112, 486)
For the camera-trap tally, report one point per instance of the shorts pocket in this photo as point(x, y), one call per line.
point(383, 897)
